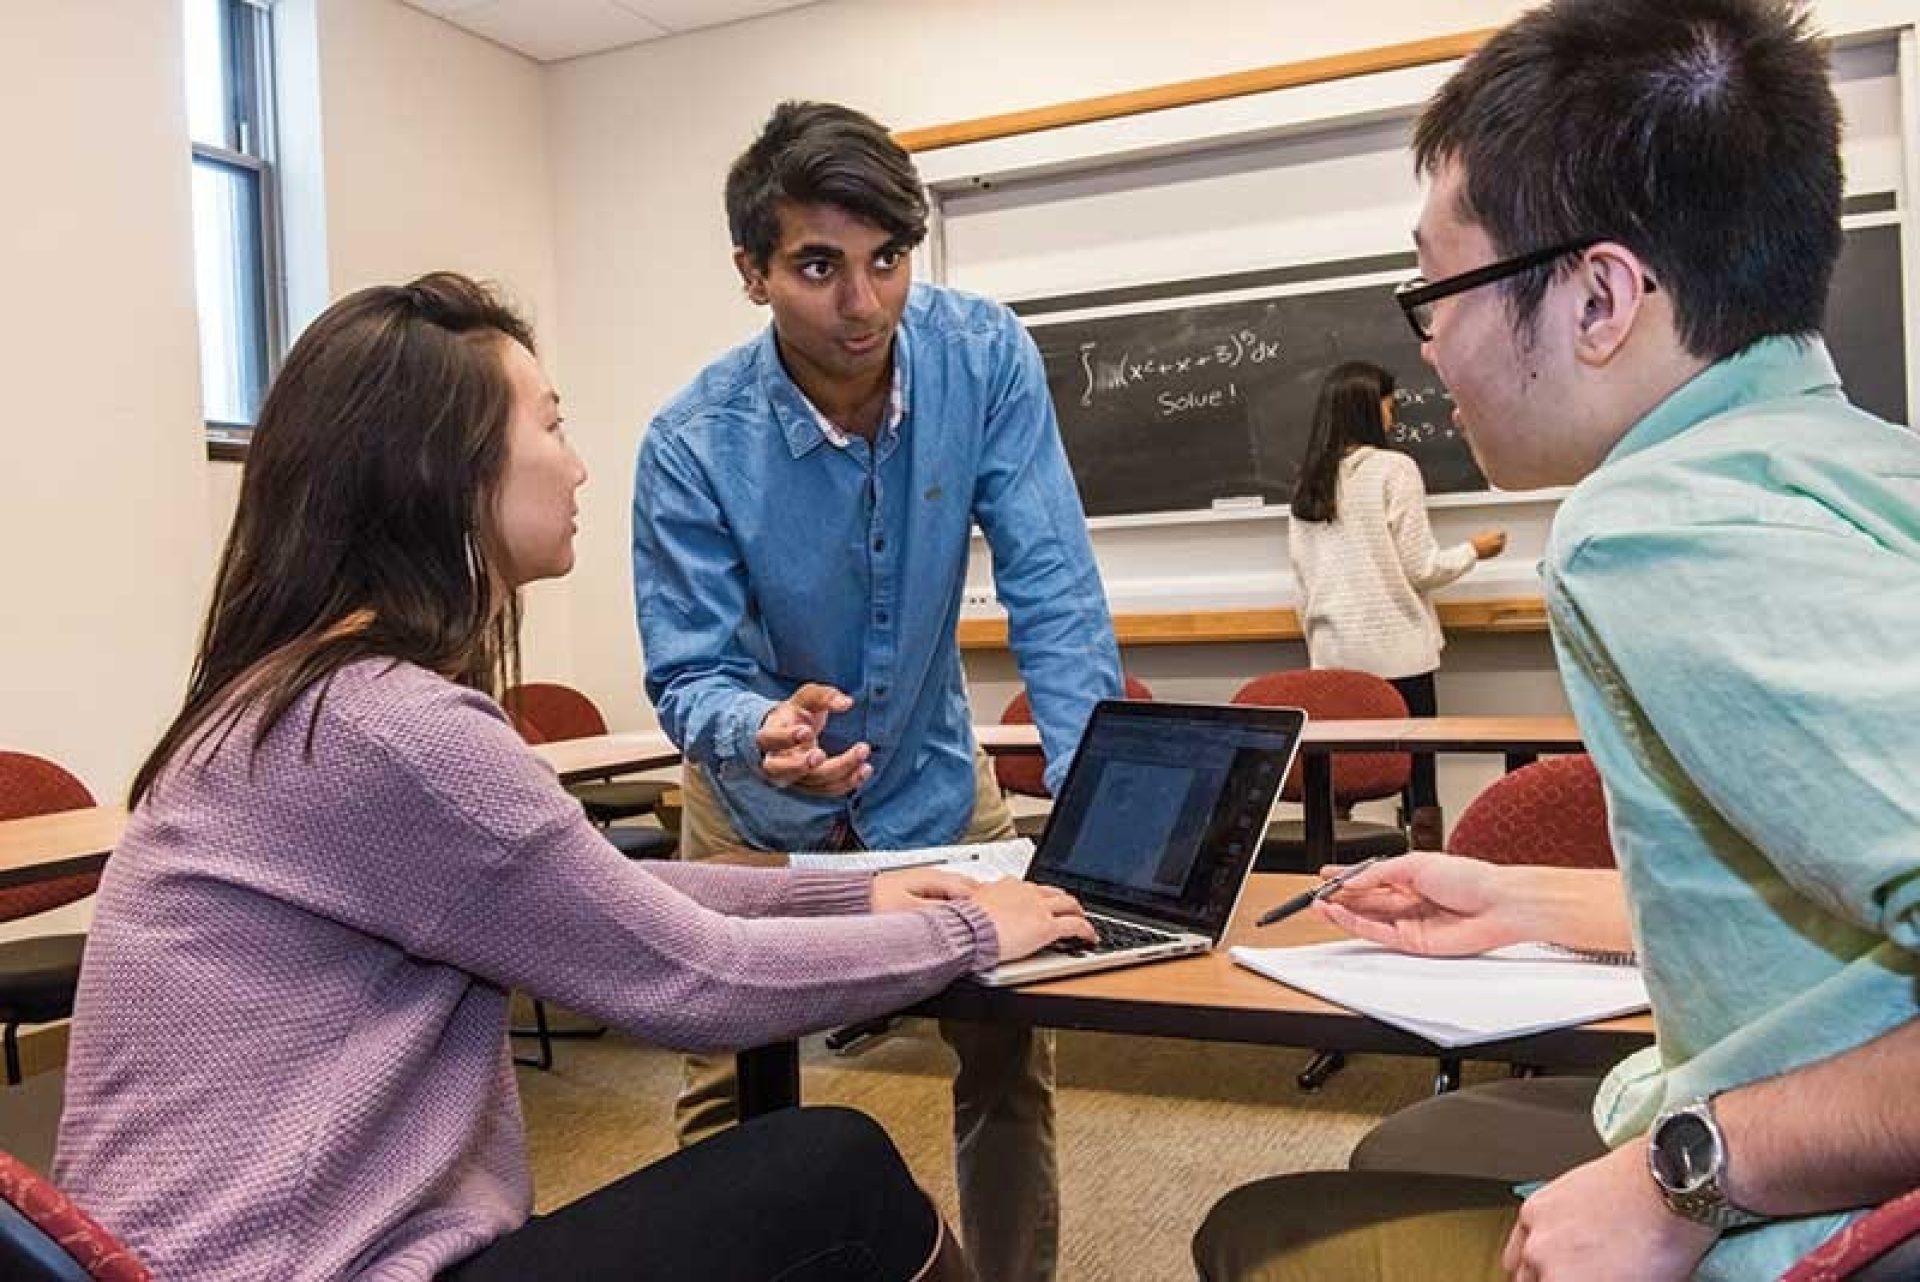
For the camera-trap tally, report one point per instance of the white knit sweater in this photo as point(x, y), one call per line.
point(1364, 576)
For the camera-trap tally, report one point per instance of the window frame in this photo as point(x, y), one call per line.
point(252, 147)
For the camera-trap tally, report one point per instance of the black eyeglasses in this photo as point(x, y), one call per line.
point(1417, 296)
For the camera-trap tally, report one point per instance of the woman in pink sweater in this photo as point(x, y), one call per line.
point(289, 1053)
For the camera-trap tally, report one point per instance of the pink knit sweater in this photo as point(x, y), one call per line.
point(289, 1056)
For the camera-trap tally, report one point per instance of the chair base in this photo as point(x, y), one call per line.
point(627, 799)
point(1319, 1070)
point(637, 841)
point(851, 1039)
point(1284, 848)
point(548, 1035)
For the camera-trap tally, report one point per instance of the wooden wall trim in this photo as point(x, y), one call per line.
point(1186, 93)
point(1212, 627)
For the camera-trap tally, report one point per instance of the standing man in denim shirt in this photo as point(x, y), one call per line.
point(801, 521)
point(1633, 219)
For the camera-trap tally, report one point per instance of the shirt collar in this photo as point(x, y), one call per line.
point(801, 421)
point(1767, 370)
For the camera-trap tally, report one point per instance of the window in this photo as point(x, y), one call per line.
point(236, 239)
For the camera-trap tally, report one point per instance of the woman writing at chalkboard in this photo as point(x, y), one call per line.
point(1366, 560)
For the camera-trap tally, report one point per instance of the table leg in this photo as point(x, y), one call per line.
point(1316, 794)
point(768, 1077)
point(1517, 759)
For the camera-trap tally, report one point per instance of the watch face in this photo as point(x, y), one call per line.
point(1683, 1152)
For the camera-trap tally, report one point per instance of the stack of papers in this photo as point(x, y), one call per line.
point(1457, 1001)
point(982, 861)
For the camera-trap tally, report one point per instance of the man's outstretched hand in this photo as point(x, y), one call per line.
point(789, 741)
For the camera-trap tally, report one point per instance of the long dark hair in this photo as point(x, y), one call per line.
point(362, 526)
point(1348, 414)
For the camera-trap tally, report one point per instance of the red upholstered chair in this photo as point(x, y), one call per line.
point(1551, 812)
point(38, 975)
point(1335, 694)
point(544, 712)
point(1883, 1245)
point(44, 1237)
point(1024, 773)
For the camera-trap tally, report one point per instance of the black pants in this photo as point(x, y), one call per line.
point(800, 1195)
point(1424, 788)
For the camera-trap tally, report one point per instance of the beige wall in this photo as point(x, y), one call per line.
point(102, 465)
point(432, 149)
point(110, 513)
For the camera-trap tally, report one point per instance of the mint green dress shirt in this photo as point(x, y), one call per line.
point(1735, 599)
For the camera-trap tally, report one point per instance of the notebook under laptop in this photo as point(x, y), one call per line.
point(1157, 827)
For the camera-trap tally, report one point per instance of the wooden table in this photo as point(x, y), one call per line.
point(604, 756)
point(1518, 739)
point(74, 841)
point(1211, 999)
point(48, 846)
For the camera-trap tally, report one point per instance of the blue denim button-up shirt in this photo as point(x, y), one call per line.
point(765, 557)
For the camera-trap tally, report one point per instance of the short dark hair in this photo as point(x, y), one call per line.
point(363, 527)
point(818, 153)
point(1347, 414)
point(1701, 134)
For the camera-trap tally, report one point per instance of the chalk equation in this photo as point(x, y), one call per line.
point(1432, 422)
point(1197, 366)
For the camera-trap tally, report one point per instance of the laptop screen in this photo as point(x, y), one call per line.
point(1165, 807)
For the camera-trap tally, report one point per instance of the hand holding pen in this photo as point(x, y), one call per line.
point(1307, 898)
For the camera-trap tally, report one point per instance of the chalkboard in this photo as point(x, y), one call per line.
point(1192, 406)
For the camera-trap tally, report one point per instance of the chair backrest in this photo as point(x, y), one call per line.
point(545, 712)
point(1337, 694)
point(44, 1237)
point(1866, 1240)
point(1553, 811)
point(1026, 772)
point(30, 786)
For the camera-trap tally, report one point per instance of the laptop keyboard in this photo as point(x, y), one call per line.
point(1114, 936)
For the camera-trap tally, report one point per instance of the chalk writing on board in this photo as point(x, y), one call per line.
point(1422, 416)
point(1174, 408)
point(1105, 374)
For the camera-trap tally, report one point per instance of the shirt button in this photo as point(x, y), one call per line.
point(879, 692)
point(879, 545)
point(880, 617)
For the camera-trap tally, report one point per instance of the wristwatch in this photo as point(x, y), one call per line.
point(1687, 1153)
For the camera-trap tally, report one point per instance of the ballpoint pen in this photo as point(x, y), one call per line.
point(1325, 888)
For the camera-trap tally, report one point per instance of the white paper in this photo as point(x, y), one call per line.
point(1457, 1001)
point(982, 861)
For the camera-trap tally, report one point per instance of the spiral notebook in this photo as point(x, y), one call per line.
point(1459, 1001)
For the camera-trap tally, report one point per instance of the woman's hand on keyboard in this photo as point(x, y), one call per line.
point(1029, 917)
point(905, 889)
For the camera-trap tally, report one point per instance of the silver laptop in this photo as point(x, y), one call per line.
point(1156, 829)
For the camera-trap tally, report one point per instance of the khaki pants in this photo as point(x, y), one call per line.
point(1429, 1195)
point(1003, 1135)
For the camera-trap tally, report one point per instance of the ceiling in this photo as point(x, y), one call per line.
point(549, 30)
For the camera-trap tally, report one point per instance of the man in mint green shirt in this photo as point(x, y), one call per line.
point(1626, 248)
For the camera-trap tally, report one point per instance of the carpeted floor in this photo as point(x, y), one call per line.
point(1152, 1131)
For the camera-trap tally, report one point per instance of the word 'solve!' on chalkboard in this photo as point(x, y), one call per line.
point(1182, 408)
